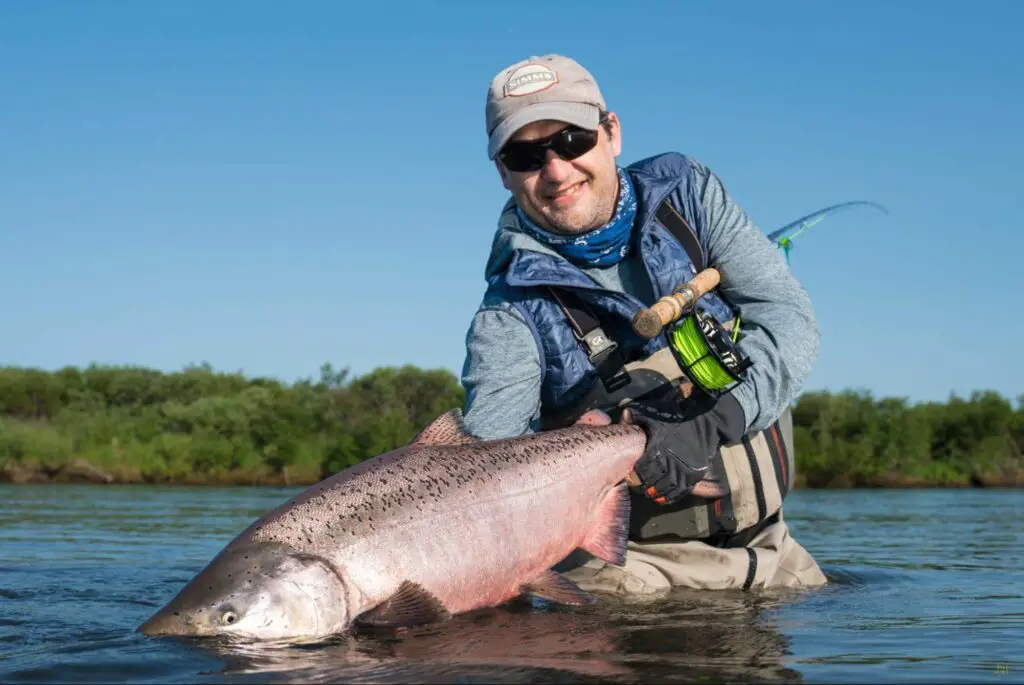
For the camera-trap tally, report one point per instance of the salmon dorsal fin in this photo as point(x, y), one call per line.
point(446, 429)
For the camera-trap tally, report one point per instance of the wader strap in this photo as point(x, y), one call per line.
point(603, 352)
point(671, 219)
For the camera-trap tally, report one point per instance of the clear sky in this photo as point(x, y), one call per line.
point(267, 186)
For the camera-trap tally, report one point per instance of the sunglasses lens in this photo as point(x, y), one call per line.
point(522, 156)
point(568, 144)
point(573, 143)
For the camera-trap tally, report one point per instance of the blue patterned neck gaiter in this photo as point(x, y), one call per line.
point(603, 246)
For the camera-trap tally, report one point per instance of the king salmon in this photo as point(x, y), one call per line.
point(444, 525)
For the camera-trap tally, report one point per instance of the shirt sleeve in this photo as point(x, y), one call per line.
point(501, 375)
point(781, 334)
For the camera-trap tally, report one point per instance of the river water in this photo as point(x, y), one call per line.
point(926, 586)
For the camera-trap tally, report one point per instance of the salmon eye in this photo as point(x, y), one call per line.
point(228, 617)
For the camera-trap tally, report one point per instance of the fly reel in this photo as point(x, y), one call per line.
point(705, 350)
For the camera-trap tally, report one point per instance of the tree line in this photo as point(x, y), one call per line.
point(198, 425)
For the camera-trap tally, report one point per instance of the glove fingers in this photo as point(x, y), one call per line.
point(656, 482)
point(672, 485)
point(669, 487)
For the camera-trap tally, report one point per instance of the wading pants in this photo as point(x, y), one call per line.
point(771, 559)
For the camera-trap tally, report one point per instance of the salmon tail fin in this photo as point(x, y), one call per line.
point(607, 539)
point(446, 429)
point(410, 606)
point(557, 588)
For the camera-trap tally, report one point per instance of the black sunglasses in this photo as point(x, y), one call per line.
point(530, 155)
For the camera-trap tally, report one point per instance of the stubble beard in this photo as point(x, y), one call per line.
point(580, 220)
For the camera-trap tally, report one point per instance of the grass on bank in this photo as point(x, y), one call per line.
point(138, 425)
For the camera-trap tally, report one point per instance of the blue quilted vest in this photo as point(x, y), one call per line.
point(568, 372)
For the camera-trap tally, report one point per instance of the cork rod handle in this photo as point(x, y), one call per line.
point(649, 322)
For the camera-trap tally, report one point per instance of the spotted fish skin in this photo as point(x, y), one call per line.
point(450, 523)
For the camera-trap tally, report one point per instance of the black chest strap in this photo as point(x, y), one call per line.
point(670, 218)
point(602, 351)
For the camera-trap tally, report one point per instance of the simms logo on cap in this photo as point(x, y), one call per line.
point(529, 79)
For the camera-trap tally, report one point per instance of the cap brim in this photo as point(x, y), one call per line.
point(580, 114)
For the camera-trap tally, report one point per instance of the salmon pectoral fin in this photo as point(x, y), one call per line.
point(411, 605)
point(607, 539)
point(557, 588)
point(446, 429)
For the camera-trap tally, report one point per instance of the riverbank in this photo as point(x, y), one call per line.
point(201, 427)
point(81, 471)
point(78, 471)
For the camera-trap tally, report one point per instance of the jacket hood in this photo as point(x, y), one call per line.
point(507, 239)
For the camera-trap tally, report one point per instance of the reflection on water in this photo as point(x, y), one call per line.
point(925, 587)
point(685, 639)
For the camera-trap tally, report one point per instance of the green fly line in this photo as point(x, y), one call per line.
point(701, 364)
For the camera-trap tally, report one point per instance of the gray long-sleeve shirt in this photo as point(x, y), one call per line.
point(502, 372)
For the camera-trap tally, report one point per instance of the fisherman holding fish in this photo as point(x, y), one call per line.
point(582, 247)
point(641, 298)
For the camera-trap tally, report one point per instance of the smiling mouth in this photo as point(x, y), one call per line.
point(567, 193)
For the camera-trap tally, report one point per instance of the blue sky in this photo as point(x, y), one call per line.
point(269, 186)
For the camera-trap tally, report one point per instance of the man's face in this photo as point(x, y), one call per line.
point(568, 196)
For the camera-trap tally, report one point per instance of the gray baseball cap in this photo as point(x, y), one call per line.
point(539, 88)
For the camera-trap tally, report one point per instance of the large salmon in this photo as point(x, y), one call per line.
point(444, 525)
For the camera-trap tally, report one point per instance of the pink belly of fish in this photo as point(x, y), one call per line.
point(480, 551)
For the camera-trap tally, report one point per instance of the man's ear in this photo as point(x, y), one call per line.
point(616, 135)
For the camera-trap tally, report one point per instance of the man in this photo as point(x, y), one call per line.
point(583, 245)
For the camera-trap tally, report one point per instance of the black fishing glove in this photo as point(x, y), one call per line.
point(680, 449)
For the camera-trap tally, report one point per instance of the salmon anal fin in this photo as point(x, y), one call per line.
point(557, 588)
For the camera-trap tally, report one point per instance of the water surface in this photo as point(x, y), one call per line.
point(926, 587)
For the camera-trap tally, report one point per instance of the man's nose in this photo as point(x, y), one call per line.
point(555, 168)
